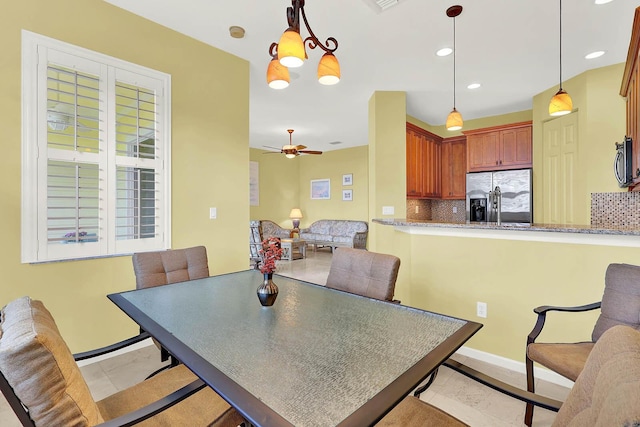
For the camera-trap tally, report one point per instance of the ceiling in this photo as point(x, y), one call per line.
point(510, 47)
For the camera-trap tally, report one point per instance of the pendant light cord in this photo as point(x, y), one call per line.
point(560, 44)
point(454, 63)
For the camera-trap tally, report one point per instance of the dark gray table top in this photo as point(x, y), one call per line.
point(317, 357)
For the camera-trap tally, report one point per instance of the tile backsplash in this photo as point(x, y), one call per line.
point(436, 210)
point(615, 209)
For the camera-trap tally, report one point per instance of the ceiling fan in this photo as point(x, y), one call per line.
point(291, 151)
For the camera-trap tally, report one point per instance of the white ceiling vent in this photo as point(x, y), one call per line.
point(386, 4)
point(380, 5)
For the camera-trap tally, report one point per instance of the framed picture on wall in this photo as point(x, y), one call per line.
point(320, 189)
point(347, 179)
point(347, 195)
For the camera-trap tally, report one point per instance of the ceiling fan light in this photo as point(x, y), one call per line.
point(454, 120)
point(560, 104)
point(277, 75)
point(290, 156)
point(291, 51)
point(328, 69)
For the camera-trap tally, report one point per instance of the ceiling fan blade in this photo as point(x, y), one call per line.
point(272, 152)
point(273, 148)
point(309, 152)
point(300, 147)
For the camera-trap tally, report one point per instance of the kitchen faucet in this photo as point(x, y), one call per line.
point(495, 198)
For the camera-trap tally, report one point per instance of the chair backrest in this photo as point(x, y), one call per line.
point(607, 391)
point(365, 273)
point(621, 299)
point(40, 370)
point(271, 229)
point(255, 240)
point(171, 266)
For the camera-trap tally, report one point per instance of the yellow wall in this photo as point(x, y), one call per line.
point(286, 183)
point(279, 187)
point(210, 138)
point(450, 274)
point(601, 122)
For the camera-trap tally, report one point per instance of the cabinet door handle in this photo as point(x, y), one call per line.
point(496, 162)
point(500, 161)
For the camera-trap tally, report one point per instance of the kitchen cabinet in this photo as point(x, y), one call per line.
point(630, 89)
point(423, 163)
point(454, 167)
point(499, 147)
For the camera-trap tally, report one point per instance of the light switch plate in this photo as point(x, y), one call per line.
point(388, 210)
point(213, 213)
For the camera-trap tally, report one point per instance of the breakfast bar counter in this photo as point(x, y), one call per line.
point(562, 233)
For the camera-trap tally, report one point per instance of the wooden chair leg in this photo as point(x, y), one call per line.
point(528, 414)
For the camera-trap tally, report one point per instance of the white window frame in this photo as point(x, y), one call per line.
point(36, 49)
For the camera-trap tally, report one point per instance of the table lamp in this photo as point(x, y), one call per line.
point(295, 216)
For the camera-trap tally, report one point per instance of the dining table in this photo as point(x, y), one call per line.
point(316, 357)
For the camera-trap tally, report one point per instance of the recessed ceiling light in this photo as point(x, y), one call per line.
point(602, 1)
point(596, 54)
point(474, 86)
point(444, 51)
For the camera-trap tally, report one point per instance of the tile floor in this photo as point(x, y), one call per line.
point(473, 403)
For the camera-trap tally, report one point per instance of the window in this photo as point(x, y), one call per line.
point(95, 154)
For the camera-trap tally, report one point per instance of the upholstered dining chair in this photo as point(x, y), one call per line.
point(365, 273)
point(44, 386)
point(170, 266)
point(620, 305)
point(606, 393)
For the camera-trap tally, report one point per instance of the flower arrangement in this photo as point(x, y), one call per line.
point(270, 252)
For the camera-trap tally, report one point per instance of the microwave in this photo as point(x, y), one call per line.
point(623, 163)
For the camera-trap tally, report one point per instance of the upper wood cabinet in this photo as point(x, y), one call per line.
point(423, 163)
point(499, 147)
point(630, 89)
point(454, 167)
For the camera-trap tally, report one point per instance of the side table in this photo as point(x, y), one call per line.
point(293, 249)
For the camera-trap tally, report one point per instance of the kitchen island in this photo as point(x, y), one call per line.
point(562, 233)
point(449, 267)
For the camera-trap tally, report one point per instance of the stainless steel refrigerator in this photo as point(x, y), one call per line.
point(516, 189)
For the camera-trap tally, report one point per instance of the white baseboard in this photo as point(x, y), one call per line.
point(512, 365)
point(132, 347)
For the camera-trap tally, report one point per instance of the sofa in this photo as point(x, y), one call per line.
point(336, 233)
point(271, 229)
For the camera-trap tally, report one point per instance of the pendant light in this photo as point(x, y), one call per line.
point(454, 120)
point(561, 103)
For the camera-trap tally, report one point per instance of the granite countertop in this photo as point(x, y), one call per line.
point(557, 228)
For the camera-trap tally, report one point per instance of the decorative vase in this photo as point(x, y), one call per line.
point(268, 291)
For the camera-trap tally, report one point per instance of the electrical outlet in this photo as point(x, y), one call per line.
point(213, 213)
point(388, 210)
point(481, 309)
point(417, 209)
point(455, 209)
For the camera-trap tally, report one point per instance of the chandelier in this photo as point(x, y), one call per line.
point(290, 51)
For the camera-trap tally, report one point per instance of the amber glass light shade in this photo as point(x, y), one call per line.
point(560, 104)
point(328, 69)
point(277, 75)
point(291, 49)
point(289, 147)
point(454, 120)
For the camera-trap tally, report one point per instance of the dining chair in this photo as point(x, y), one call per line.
point(44, 386)
point(255, 243)
point(170, 266)
point(364, 273)
point(620, 305)
point(606, 393)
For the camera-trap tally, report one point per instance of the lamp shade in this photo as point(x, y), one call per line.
point(454, 120)
point(328, 69)
point(560, 104)
point(291, 49)
point(277, 75)
point(295, 213)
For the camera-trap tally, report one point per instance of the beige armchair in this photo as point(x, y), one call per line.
point(44, 386)
point(365, 273)
point(620, 306)
point(606, 393)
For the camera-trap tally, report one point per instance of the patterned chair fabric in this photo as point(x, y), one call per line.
point(171, 266)
point(271, 229)
point(336, 233)
point(42, 374)
point(364, 273)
